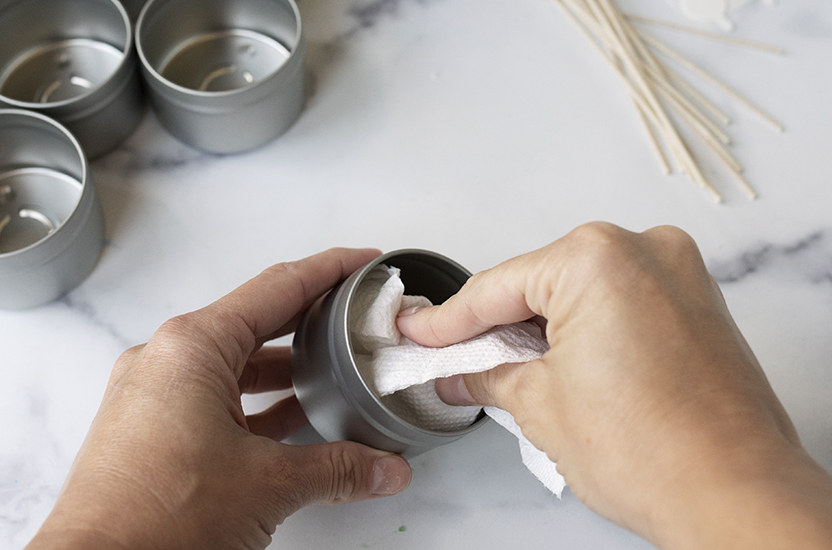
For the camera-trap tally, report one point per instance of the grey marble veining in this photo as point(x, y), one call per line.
point(369, 12)
point(480, 129)
point(808, 259)
point(150, 149)
point(81, 307)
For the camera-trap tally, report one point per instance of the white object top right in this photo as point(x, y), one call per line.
point(712, 11)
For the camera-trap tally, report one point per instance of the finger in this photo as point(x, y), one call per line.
point(287, 328)
point(238, 323)
point(547, 282)
point(491, 388)
point(268, 369)
point(490, 298)
point(342, 472)
point(278, 421)
point(274, 297)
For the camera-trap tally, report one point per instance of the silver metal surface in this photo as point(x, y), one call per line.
point(51, 227)
point(34, 202)
point(338, 402)
point(224, 61)
point(224, 76)
point(59, 71)
point(72, 60)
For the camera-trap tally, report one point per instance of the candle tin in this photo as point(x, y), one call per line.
point(51, 226)
point(224, 76)
point(72, 60)
point(339, 403)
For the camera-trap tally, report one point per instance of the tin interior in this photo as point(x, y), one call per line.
point(41, 180)
point(55, 51)
point(423, 274)
point(217, 45)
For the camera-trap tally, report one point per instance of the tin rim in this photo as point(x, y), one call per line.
point(205, 94)
point(84, 177)
point(354, 371)
point(126, 51)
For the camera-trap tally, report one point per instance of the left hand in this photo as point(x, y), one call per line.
point(172, 461)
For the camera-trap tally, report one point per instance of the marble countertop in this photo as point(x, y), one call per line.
point(480, 129)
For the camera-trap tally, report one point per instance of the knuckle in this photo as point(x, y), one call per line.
point(475, 280)
point(125, 362)
point(490, 387)
point(180, 336)
point(291, 489)
point(608, 252)
point(496, 386)
point(128, 356)
point(675, 244)
point(595, 233)
point(601, 248)
point(337, 251)
point(201, 334)
point(288, 274)
point(346, 475)
point(177, 329)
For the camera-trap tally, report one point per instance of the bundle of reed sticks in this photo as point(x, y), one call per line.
point(663, 97)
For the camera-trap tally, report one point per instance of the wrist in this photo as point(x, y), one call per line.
point(95, 511)
point(765, 494)
point(74, 538)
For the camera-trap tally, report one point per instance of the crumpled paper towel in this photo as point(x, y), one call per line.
point(403, 373)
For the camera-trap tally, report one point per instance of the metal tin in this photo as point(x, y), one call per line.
point(336, 399)
point(51, 227)
point(72, 60)
point(224, 76)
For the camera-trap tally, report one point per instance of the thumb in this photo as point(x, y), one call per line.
point(342, 472)
point(491, 388)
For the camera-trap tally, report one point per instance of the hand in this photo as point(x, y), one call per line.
point(171, 461)
point(649, 400)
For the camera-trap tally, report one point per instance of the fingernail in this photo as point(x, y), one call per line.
point(453, 391)
point(391, 475)
point(410, 311)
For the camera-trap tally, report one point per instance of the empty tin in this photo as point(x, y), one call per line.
point(51, 227)
point(224, 76)
point(338, 402)
point(72, 60)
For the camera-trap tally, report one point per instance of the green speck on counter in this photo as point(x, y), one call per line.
point(403, 528)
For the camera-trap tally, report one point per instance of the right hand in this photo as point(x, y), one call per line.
point(650, 400)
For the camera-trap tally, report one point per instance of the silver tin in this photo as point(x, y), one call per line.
point(72, 60)
point(334, 396)
point(51, 227)
point(224, 76)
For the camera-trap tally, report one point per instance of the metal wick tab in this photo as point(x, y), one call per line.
point(38, 217)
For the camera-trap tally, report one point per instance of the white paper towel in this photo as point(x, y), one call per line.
point(403, 372)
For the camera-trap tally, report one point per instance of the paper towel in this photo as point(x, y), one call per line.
point(403, 373)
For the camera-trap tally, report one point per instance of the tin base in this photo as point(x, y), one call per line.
point(223, 61)
point(59, 71)
point(33, 203)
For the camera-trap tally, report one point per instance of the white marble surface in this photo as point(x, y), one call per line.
point(480, 129)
